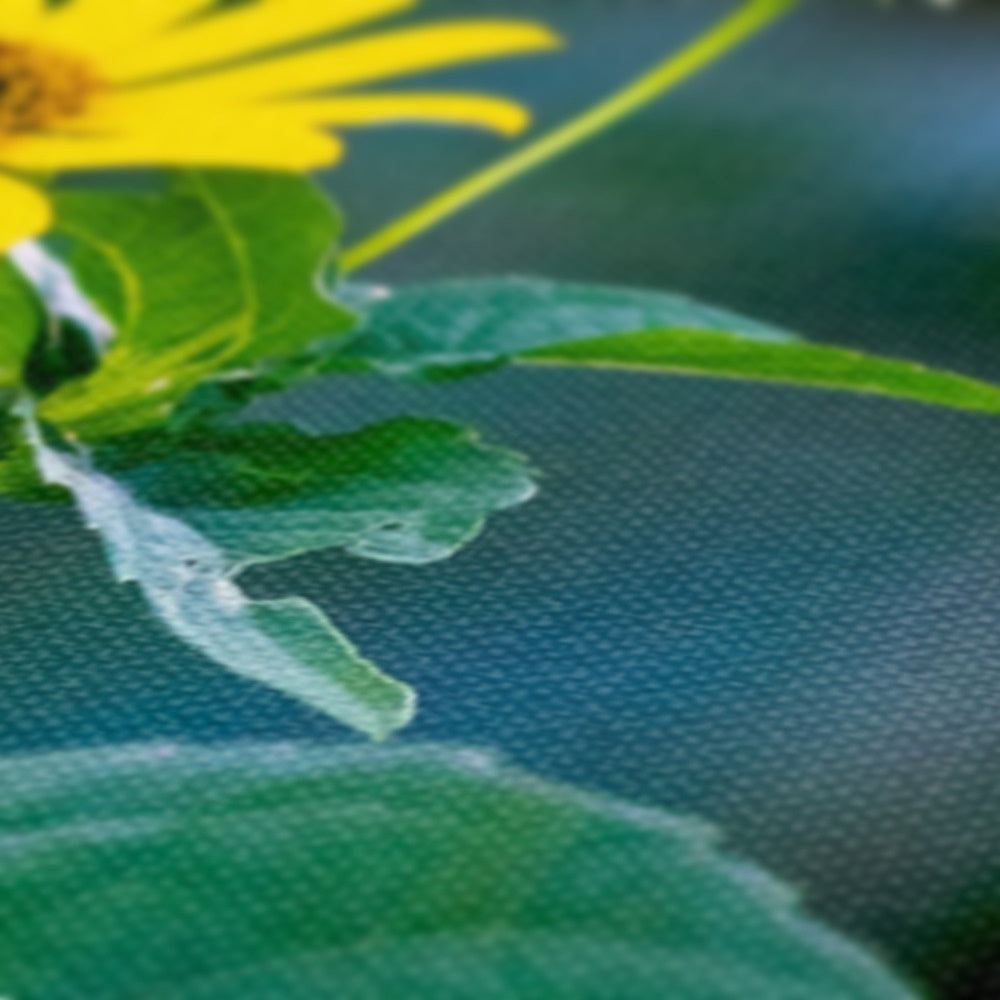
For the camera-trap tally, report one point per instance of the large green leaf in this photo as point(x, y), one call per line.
point(292, 872)
point(409, 490)
point(457, 326)
point(181, 514)
point(20, 323)
point(218, 277)
point(452, 326)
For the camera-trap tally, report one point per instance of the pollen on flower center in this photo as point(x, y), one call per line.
point(39, 88)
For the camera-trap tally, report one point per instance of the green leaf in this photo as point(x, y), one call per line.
point(216, 278)
point(293, 872)
point(454, 326)
point(19, 479)
point(182, 513)
point(287, 644)
point(727, 356)
point(458, 326)
point(407, 491)
point(20, 323)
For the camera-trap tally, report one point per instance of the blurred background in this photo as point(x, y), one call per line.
point(773, 608)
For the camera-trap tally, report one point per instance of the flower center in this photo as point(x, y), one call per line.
point(40, 88)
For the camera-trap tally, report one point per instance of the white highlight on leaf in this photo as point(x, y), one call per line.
point(58, 288)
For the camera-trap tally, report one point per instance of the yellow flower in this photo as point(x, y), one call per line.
point(126, 83)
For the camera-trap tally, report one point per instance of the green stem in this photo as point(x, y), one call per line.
point(735, 29)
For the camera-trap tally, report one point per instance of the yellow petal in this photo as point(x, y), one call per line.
point(243, 30)
point(98, 28)
point(24, 212)
point(19, 17)
point(496, 113)
point(250, 140)
point(379, 57)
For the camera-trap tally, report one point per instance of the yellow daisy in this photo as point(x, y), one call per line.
point(126, 83)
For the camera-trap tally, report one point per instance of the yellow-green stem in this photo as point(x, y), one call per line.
point(749, 20)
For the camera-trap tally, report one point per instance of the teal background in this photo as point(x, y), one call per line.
point(770, 607)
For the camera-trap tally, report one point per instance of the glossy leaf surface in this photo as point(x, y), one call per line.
point(294, 872)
